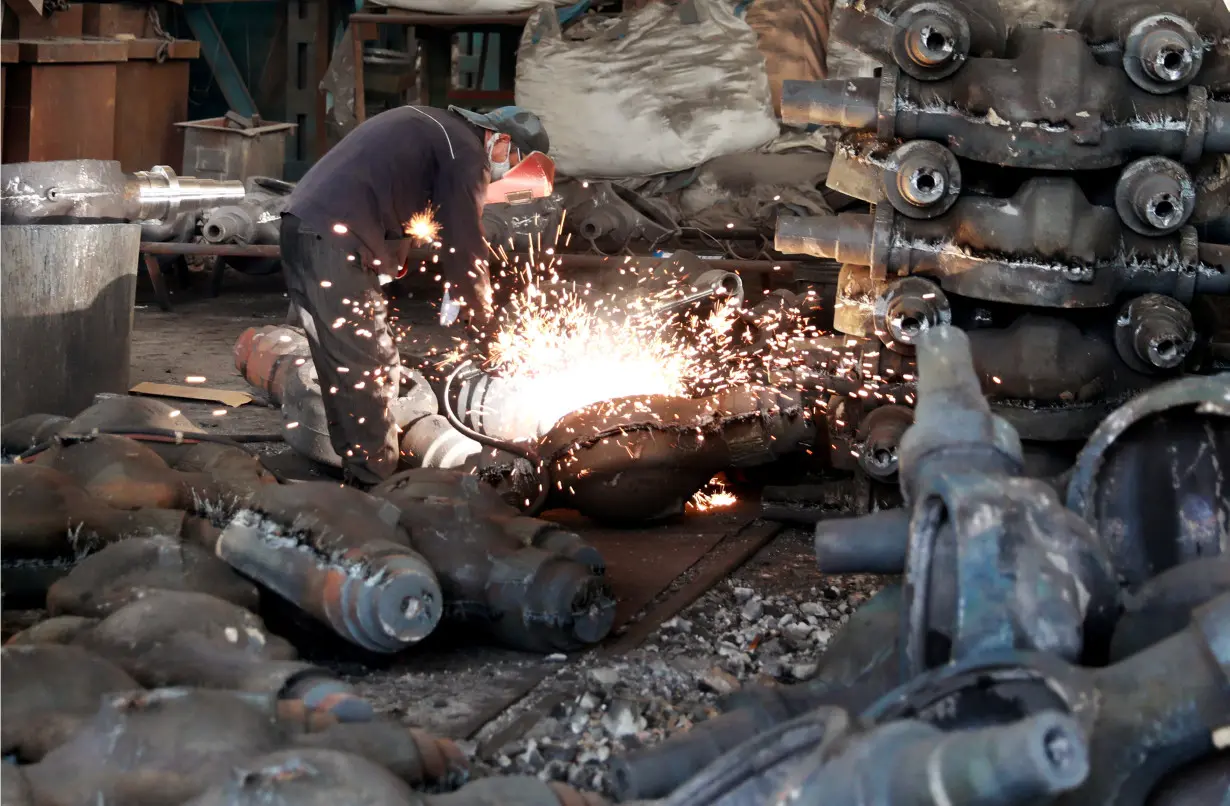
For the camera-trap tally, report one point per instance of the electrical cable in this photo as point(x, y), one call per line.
point(539, 468)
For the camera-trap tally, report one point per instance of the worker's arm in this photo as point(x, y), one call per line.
point(460, 188)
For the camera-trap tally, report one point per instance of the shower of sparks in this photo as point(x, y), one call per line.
point(422, 227)
point(713, 495)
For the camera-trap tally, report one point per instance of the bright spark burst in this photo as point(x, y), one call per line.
point(713, 495)
point(422, 227)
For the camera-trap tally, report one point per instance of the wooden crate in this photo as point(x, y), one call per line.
point(25, 23)
point(151, 98)
point(60, 100)
point(117, 19)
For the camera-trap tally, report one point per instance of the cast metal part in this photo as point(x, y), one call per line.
point(607, 215)
point(642, 458)
point(1073, 254)
point(960, 472)
point(256, 219)
point(526, 227)
point(912, 763)
point(922, 179)
point(1145, 717)
point(337, 554)
point(1155, 196)
point(907, 309)
point(1154, 333)
point(880, 435)
point(1154, 475)
point(1163, 53)
point(518, 591)
point(82, 191)
point(1048, 104)
point(927, 39)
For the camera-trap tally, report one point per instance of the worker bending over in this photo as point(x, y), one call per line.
point(344, 237)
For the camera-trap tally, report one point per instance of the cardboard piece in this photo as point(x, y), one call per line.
point(226, 398)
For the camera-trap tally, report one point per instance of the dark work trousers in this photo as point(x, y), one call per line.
point(342, 308)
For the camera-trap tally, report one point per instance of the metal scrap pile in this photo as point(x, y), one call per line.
point(1058, 193)
point(154, 547)
point(1063, 641)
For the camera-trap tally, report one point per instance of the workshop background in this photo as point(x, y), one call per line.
point(726, 585)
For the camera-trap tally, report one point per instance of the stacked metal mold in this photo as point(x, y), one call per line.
point(1058, 193)
point(1062, 641)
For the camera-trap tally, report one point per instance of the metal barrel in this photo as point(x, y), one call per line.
point(66, 301)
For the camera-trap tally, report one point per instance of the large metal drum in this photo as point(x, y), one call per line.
point(66, 302)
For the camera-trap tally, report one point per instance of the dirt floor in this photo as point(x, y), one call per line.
point(558, 716)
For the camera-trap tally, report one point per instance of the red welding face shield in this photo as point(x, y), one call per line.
point(533, 177)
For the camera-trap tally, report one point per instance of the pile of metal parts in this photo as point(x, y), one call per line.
point(1060, 194)
point(379, 570)
point(1057, 641)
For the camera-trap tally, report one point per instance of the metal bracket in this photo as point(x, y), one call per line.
point(216, 54)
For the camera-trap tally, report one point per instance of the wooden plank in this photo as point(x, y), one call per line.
point(8, 52)
point(60, 112)
point(150, 99)
point(71, 50)
point(148, 48)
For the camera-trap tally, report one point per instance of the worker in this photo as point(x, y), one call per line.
point(343, 237)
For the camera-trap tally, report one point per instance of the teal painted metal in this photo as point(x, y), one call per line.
point(218, 56)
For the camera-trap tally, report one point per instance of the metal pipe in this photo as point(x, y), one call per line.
point(95, 191)
point(846, 102)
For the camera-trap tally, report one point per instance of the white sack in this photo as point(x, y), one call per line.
point(664, 88)
point(466, 6)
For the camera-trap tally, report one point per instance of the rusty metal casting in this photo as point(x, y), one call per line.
point(1154, 333)
point(961, 475)
point(48, 692)
point(1047, 104)
point(1072, 254)
point(495, 570)
point(609, 216)
point(167, 746)
point(277, 360)
point(79, 191)
point(530, 226)
point(1145, 717)
point(338, 555)
point(642, 458)
point(126, 571)
point(1153, 477)
point(927, 39)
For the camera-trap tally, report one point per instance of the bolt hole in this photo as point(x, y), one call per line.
point(1172, 59)
point(883, 457)
point(1166, 349)
point(934, 40)
point(1058, 747)
point(1164, 208)
point(910, 326)
point(925, 181)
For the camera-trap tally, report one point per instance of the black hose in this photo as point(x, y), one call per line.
point(165, 435)
point(539, 468)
